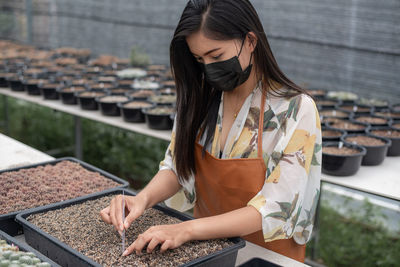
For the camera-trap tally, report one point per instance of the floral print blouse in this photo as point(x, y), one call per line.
point(292, 155)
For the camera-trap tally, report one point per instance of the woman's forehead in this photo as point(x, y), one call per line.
point(199, 44)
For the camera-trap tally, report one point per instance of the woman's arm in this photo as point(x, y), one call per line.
point(163, 185)
point(238, 222)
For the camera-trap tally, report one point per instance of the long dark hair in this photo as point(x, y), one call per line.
point(197, 102)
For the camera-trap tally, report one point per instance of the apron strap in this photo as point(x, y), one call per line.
point(261, 125)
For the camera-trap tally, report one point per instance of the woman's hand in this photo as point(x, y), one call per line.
point(168, 236)
point(134, 207)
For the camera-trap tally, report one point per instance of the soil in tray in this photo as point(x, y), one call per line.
point(356, 109)
point(387, 133)
point(142, 94)
point(90, 94)
point(42, 185)
point(365, 140)
point(332, 150)
point(80, 227)
point(160, 111)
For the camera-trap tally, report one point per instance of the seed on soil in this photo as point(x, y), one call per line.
point(365, 140)
point(113, 99)
point(42, 185)
point(80, 227)
point(339, 151)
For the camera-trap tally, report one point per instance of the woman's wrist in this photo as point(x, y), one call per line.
point(188, 230)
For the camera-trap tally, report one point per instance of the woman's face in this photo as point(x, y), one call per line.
point(207, 50)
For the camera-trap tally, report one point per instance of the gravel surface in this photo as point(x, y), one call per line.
point(80, 227)
point(28, 188)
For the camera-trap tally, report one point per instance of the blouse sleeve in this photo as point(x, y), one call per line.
point(186, 197)
point(293, 172)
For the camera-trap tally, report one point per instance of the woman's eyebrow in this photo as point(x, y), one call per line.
point(212, 50)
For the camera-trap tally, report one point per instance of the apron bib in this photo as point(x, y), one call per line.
point(223, 185)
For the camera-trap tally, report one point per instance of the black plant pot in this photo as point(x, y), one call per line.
point(363, 126)
point(342, 165)
point(32, 87)
point(332, 138)
point(16, 84)
point(395, 124)
point(158, 121)
point(130, 114)
point(50, 92)
point(3, 80)
point(375, 154)
point(109, 108)
point(380, 121)
point(356, 109)
point(68, 96)
point(327, 104)
point(88, 102)
point(394, 149)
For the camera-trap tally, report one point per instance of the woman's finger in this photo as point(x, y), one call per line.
point(152, 244)
point(166, 245)
point(105, 215)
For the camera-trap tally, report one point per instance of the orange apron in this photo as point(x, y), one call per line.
point(223, 185)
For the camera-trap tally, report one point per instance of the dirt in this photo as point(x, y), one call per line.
point(80, 227)
point(33, 187)
point(142, 93)
point(91, 94)
point(73, 89)
point(345, 125)
point(371, 120)
point(113, 99)
point(365, 140)
point(137, 105)
point(339, 151)
point(387, 133)
point(355, 108)
point(333, 113)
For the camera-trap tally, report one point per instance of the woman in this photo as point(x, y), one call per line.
point(264, 187)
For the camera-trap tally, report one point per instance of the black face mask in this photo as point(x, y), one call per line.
point(227, 75)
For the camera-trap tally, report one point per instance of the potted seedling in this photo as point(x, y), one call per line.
point(329, 134)
point(376, 147)
point(87, 99)
point(108, 104)
point(132, 110)
point(159, 117)
point(341, 159)
point(68, 94)
point(390, 133)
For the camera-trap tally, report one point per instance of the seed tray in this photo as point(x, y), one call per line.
point(7, 221)
point(67, 256)
point(26, 248)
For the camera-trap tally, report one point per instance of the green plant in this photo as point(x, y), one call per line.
point(138, 58)
point(357, 239)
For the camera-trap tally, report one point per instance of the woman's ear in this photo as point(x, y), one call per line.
point(252, 41)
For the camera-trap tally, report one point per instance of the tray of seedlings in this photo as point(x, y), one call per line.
point(15, 253)
point(48, 182)
point(73, 234)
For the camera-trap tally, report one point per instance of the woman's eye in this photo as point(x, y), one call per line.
point(217, 57)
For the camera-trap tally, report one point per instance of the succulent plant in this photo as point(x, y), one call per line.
point(11, 256)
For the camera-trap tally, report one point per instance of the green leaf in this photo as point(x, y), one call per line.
point(270, 126)
point(278, 215)
point(314, 161)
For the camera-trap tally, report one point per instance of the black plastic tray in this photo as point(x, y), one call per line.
point(7, 221)
point(258, 262)
point(66, 256)
point(26, 248)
